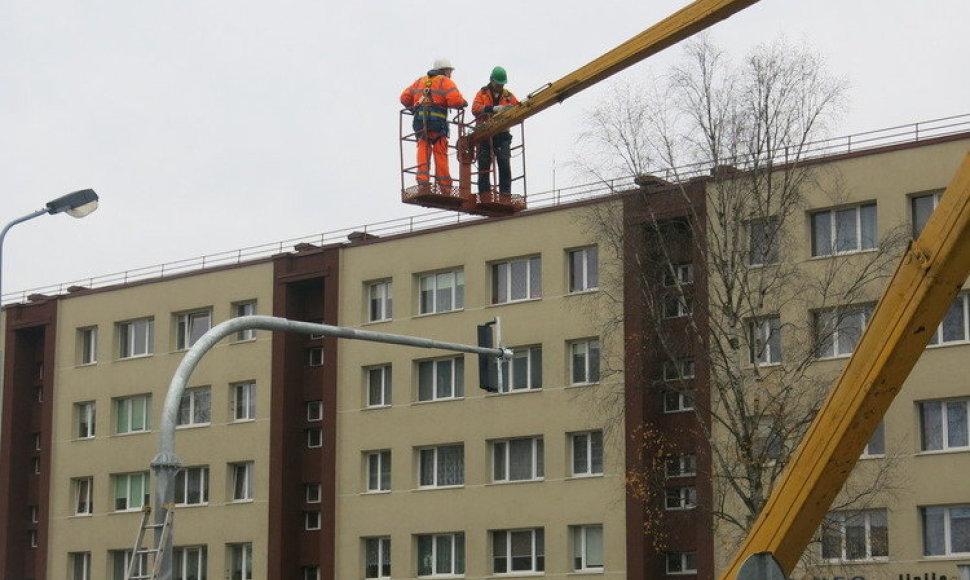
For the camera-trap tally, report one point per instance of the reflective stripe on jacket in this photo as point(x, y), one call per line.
point(485, 100)
point(429, 98)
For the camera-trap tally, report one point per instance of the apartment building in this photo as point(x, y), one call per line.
point(309, 457)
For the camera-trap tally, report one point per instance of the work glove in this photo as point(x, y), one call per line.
point(499, 108)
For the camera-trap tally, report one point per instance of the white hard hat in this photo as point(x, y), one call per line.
point(441, 64)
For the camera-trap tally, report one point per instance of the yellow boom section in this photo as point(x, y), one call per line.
point(687, 21)
point(921, 291)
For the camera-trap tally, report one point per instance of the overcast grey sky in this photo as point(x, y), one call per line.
point(211, 125)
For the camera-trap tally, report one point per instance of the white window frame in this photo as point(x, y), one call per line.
point(584, 361)
point(120, 559)
point(529, 357)
point(859, 243)
point(128, 479)
point(430, 282)
point(244, 401)
point(505, 564)
point(958, 313)
point(315, 356)
point(505, 278)
point(455, 375)
point(583, 266)
point(681, 465)
point(246, 308)
point(678, 400)
point(679, 370)
point(502, 460)
point(183, 479)
point(835, 523)
point(758, 254)
point(762, 343)
point(378, 465)
point(677, 305)
point(312, 492)
point(240, 560)
point(312, 520)
point(311, 573)
point(583, 451)
point(82, 496)
point(314, 438)
point(241, 480)
point(195, 407)
point(80, 565)
point(86, 416)
point(378, 551)
point(380, 378)
point(682, 497)
point(947, 513)
point(834, 329)
point(314, 411)
point(181, 569)
point(918, 227)
point(876, 447)
point(434, 478)
point(582, 539)
point(87, 345)
point(951, 436)
point(127, 338)
point(380, 301)
point(123, 408)
point(678, 275)
point(187, 326)
point(456, 559)
point(680, 563)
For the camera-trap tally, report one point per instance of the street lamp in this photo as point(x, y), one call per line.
point(77, 204)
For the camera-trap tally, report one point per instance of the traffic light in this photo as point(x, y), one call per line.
point(487, 373)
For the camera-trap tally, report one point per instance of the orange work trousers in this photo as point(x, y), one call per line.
point(438, 145)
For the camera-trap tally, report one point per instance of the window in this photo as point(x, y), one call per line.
point(676, 305)
point(315, 356)
point(81, 495)
point(877, 443)
point(517, 459)
point(87, 342)
point(131, 491)
point(244, 309)
point(955, 323)
point(80, 564)
point(516, 280)
point(32, 538)
point(244, 401)
point(679, 369)
point(584, 269)
point(195, 407)
point(311, 492)
point(377, 557)
point(680, 498)
point(442, 378)
point(587, 453)
point(34, 514)
point(946, 530)
point(922, 207)
point(311, 520)
point(763, 241)
point(584, 361)
point(311, 573)
point(35, 465)
point(242, 480)
point(943, 425)
point(681, 562)
point(678, 400)
point(379, 301)
point(765, 337)
point(240, 561)
point(314, 411)
point(379, 386)
point(769, 441)
point(190, 327)
point(841, 231)
point(85, 419)
point(587, 548)
point(120, 559)
point(192, 486)
point(684, 465)
point(518, 551)
point(189, 563)
point(679, 274)
point(441, 292)
point(838, 331)
point(441, 554)
point(524, 371)
point(379, 471)
point(133, 414)
point(314, 438)
point(136, 338)
point(855, 535)
point(441, 466)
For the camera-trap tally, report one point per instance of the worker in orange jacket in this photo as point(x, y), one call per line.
point(429, 98)
point(492, 99)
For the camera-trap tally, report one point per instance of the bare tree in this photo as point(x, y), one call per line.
point(721, 313)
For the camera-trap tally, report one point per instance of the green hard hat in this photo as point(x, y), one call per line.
point(499, 76)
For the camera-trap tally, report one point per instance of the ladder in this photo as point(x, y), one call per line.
point(134, 570)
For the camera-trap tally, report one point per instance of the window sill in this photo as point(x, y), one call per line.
point(84, 438)
point(585, 292)
point(859, 562)
point(948, 343)
point(244, 341)
point(584, 476)
point(931, 452)
point(376, 492)
point(516, 481)
point(843, 254)
point(510, 302)
point(433, 401)
point(522, 574)
point(438, 487)
point(588, 571)
point(427, 314)
point(134, 357)
point(581, 385)
point(242, 421)
point(191, 505)
point(241, 501)
point(379, 321)
point(677, 411)
point(131, 433)
point(79, 516)
point(680, 509)
point(515, 392)
point(375, 407)
point(193, 426)
point(87, 364)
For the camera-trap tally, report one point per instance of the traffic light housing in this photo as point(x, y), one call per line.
point(487, 371)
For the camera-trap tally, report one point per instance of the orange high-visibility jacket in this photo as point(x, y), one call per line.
point(485, 100)
point(429, 98)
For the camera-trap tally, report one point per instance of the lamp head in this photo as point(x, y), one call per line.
point(77, 204)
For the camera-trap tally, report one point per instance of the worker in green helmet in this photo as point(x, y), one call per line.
point(491, 100)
